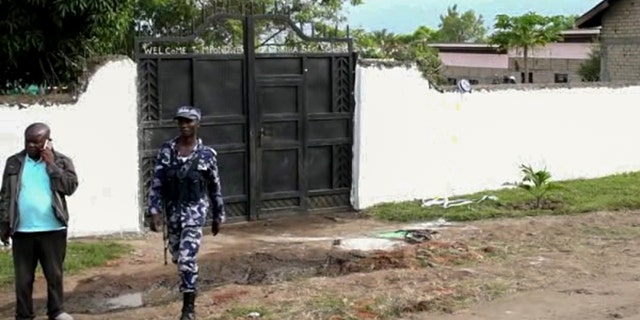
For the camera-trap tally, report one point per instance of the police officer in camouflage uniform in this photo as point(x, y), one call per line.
point(185, 186)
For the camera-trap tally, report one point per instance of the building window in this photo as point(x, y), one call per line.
point(452, 81)
point(522, 79)
point(561, 78)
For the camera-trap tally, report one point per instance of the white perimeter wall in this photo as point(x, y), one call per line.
point(100, 134)
point(412, 142)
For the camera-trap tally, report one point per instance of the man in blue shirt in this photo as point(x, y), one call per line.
point(33, 213)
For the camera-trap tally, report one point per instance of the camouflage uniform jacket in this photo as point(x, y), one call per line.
point(191, 214)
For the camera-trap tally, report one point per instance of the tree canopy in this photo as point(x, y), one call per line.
point(456, 27)
point(528, 31)
point(49, 41)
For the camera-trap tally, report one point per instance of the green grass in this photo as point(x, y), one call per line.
point(611, 193)
point(81, 255)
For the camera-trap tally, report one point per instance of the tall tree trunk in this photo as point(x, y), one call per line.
point(526, 64)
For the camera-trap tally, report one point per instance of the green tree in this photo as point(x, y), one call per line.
point(461, 27)
point(50, 41)
point(567, 22)
point(366, 43)
point(161, 17)
point(527, 32)
point(416, 48)
point(412, 47)
point(388, 42)
point(423, 33)
point(179, 17)
point(590, 69)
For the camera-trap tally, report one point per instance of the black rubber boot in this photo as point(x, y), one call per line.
point(188, 306)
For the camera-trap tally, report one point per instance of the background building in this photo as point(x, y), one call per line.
point(556, 62)
point(619, 38)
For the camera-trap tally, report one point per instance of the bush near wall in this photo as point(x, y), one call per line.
point(46, 44)
point(27, 95)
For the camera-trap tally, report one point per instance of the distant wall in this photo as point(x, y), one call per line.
point(563, 59)
point(557, 50)
point(544, 70)
point(481, 75)
point(412, 142)
point(475, 60)
point(99, 132)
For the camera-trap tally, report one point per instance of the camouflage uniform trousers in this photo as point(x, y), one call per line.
point(185, 235)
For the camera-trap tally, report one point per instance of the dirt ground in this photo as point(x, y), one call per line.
point(565, 267)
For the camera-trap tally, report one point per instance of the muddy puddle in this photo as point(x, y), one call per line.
point(131, 300)
point(109, 293)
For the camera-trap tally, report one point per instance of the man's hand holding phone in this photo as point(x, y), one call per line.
point(47, 152)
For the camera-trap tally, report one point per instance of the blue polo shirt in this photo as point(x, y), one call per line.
point(35, 201)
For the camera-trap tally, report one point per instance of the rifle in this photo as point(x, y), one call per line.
point(165, 233)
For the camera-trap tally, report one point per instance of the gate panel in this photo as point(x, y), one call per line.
point(219, 85)
point(280, 152)
point(218, 89)
point(149, 111)
point(330, 113)
point(176, 79)
point(216, 86)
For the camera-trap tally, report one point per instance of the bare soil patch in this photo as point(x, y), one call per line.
point(545, 204)
point(467, 273)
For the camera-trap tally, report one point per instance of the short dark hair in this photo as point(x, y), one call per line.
point(37, 126)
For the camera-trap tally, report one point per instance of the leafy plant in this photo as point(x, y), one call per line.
point(413, 47)
point(538, 183)
point(590, 69)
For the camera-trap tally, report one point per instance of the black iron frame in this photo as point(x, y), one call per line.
point(248, 20)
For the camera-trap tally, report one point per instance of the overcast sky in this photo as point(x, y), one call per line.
point(404, 16)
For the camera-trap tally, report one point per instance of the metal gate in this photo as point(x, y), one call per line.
point(281, 122)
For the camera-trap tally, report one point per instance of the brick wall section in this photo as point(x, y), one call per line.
point(620, 36)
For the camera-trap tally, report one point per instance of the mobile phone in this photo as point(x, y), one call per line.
point(46, 144)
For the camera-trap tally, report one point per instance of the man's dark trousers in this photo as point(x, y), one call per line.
point(48, 249)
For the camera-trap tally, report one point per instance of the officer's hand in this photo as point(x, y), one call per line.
point(215, 228)
point(156, 222)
